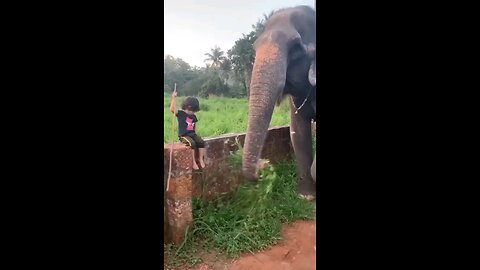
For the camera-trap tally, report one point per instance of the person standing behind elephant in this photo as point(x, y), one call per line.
point(186, 127)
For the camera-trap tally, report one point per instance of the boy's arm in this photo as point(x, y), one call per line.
point(173, 107)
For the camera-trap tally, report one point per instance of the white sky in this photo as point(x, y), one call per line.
point(193, 27)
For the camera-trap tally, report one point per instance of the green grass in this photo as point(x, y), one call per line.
point(249, 220)
point(220, 115)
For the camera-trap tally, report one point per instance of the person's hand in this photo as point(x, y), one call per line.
point(174, 93)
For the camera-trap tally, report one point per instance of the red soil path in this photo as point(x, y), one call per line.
point(296, 252)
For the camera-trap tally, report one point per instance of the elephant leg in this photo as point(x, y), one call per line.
point(301, 136)
point(313, 170)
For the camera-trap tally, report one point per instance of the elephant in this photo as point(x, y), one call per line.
point(285, 66)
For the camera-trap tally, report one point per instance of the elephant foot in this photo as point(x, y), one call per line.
point(307, 190)
point(263, 164)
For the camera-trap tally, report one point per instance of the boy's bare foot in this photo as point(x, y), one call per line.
point(195, 166)
point(202, 164)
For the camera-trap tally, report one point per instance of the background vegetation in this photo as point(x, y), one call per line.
point(221, 115)
point(225, 73)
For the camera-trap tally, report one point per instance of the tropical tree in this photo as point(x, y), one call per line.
point(225, 69)
point(176, 71)
point(213, 85)
point(215, 57)
point(242, 54)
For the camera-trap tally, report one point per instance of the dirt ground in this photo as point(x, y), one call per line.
point(296, 252)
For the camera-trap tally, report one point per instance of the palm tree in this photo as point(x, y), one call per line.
point(215, 57)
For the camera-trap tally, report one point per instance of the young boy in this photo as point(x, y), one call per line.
point(186, 127)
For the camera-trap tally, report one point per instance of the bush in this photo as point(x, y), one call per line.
point(214, 85)
point(192, 87)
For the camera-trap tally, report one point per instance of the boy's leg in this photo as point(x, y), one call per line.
point(195, 166)
point(201, 156)
point(190, 142)
point(201, 149)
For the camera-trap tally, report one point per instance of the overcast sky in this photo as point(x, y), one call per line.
point(193, 27)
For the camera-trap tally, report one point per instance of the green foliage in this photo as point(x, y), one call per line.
point(220, 115)
point(214, 85)
point(176, 71)
point(192, 87)
point(215, 57)
point(242, 54)
point(250, 220)
point(237, 90)
point(242, 57)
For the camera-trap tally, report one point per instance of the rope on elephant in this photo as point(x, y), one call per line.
point(293, 102)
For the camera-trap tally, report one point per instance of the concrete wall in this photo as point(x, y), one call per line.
point(218, 177)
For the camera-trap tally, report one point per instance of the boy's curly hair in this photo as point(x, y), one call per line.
point(191, 103)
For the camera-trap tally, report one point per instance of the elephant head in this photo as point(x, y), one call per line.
point(285, 56)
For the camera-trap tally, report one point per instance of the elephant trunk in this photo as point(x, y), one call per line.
point(267, 83)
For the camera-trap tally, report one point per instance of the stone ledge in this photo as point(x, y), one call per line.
point(217, 179)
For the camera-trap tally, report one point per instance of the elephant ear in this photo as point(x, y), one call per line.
point(312, 73)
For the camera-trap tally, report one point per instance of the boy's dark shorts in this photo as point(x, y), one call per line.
point(192, 140)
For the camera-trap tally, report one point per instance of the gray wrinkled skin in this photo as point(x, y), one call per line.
point(285, 66)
